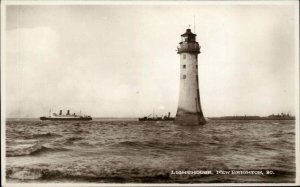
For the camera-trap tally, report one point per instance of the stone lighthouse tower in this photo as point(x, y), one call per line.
point(189, 110)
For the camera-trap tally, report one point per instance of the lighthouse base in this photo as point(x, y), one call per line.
point(189, 119)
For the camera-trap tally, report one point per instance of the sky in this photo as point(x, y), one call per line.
point(121, 60)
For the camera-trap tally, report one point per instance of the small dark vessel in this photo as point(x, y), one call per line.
point(66, 117)
point(163, 118)
point(281, 116)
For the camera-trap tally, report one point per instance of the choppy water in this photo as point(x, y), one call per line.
point(132, 151)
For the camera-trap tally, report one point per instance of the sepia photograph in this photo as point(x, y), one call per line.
point(97, 93)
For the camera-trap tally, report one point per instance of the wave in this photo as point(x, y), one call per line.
point(280, 134)
point(39, 136)
point(32, 150)
point(157, 144)
point(118, 175)
point(73, 139)
point(113, 175)
point(24, 173)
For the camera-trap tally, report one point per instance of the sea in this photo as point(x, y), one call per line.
point(129, 151)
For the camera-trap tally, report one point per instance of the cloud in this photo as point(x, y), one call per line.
point(121, 60)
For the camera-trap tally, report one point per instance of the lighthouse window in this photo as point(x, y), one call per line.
point(184, 76)
point(184, 56)
point(184, 39)
point(183, 66)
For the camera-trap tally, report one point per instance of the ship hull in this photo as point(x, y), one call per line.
point(66, 119)
point(143, 119)
point(251, 118)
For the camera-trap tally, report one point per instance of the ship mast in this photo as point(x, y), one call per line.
point(153, 114)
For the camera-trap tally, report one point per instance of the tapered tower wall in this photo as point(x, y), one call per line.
point(189, 111)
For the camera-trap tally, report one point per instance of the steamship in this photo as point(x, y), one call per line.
point(66, 117)
point(281, 116)
point(155, 118)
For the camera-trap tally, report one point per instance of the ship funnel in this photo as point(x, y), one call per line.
point(60, 112)
point(68, 112)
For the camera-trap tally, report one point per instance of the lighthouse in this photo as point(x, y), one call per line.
point(189, 110)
